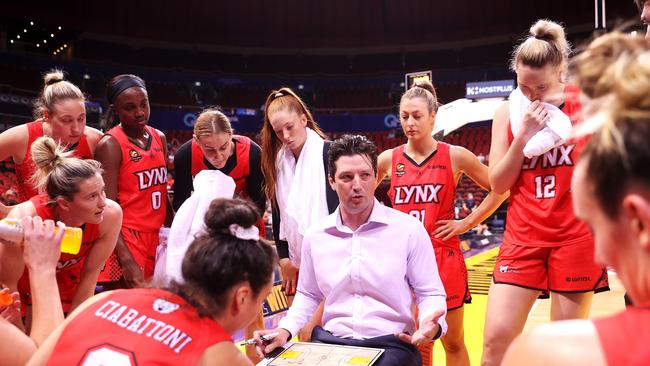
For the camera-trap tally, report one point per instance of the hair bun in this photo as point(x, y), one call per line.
point(426, 85)
point(547, 30)
point(223, 213)
point(53, 77)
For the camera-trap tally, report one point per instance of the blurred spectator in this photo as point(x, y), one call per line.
point(458, 206)
point(469, 202)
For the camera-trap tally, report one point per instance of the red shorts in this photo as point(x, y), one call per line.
point(142, 246)
point(453, 273)
point(566, 268)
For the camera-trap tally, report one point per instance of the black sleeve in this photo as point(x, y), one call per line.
point(330, 194)
point(281, 245)
point(255, 179)
point(182, 174)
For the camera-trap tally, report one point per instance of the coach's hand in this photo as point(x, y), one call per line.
point(428, 329)
point(132, 274)
point(289, 276)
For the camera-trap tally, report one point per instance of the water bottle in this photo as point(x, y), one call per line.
point(10, 230)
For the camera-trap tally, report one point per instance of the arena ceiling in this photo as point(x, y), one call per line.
point(310, 26)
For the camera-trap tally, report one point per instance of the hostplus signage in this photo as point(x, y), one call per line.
point(489, 89)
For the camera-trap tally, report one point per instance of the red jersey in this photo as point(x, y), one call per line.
point(624, 337)
point(426, 191)
point(142, 182)
point(68, 270)
point(540, 211)
point(150, 326)
point(241, 170)
point(26, 169)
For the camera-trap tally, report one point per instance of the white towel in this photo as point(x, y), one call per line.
point(188, 221)
point(556, 131)
point(300, 192)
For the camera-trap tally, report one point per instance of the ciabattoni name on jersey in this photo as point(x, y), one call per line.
point(131, 320)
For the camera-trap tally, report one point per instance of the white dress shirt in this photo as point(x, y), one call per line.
point(366, 276)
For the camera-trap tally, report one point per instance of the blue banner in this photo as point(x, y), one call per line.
point(184, 120)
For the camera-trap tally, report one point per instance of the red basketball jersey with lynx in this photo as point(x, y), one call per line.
point(540, 211)
point(142, 182)
point(426, 190)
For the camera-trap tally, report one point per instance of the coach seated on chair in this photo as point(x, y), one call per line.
point(364, 261)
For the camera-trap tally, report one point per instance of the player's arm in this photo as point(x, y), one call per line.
point(11, 255)
point(13, 143)
point(102, 249)
point(464, 161)
point(384, 161)
point(93, 136)
point(45, 350)
point(505, 158)
point(41, 254)
point(109, 153)
point(223, 354)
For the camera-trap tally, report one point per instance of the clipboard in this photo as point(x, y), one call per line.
point(305, 353)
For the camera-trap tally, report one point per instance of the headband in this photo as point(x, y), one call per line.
point(122, 85)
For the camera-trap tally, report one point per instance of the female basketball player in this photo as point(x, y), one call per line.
point(611, 189)
point(295, 170)
point(295, 174)
point(545, 247)
point(61, 114)
point(41, 250)
point(73, 194)
point(214, 147)
point(134, 158)
point(228, 272)
point(423, 177)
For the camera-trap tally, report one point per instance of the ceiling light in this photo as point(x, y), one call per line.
point(52, 35)
point(18, 36)
point(59, 27)
point(31, 23)
point(12, 41)
point(38, 45)
point(45, 41)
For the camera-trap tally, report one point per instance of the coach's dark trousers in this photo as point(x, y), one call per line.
point(396, 352)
